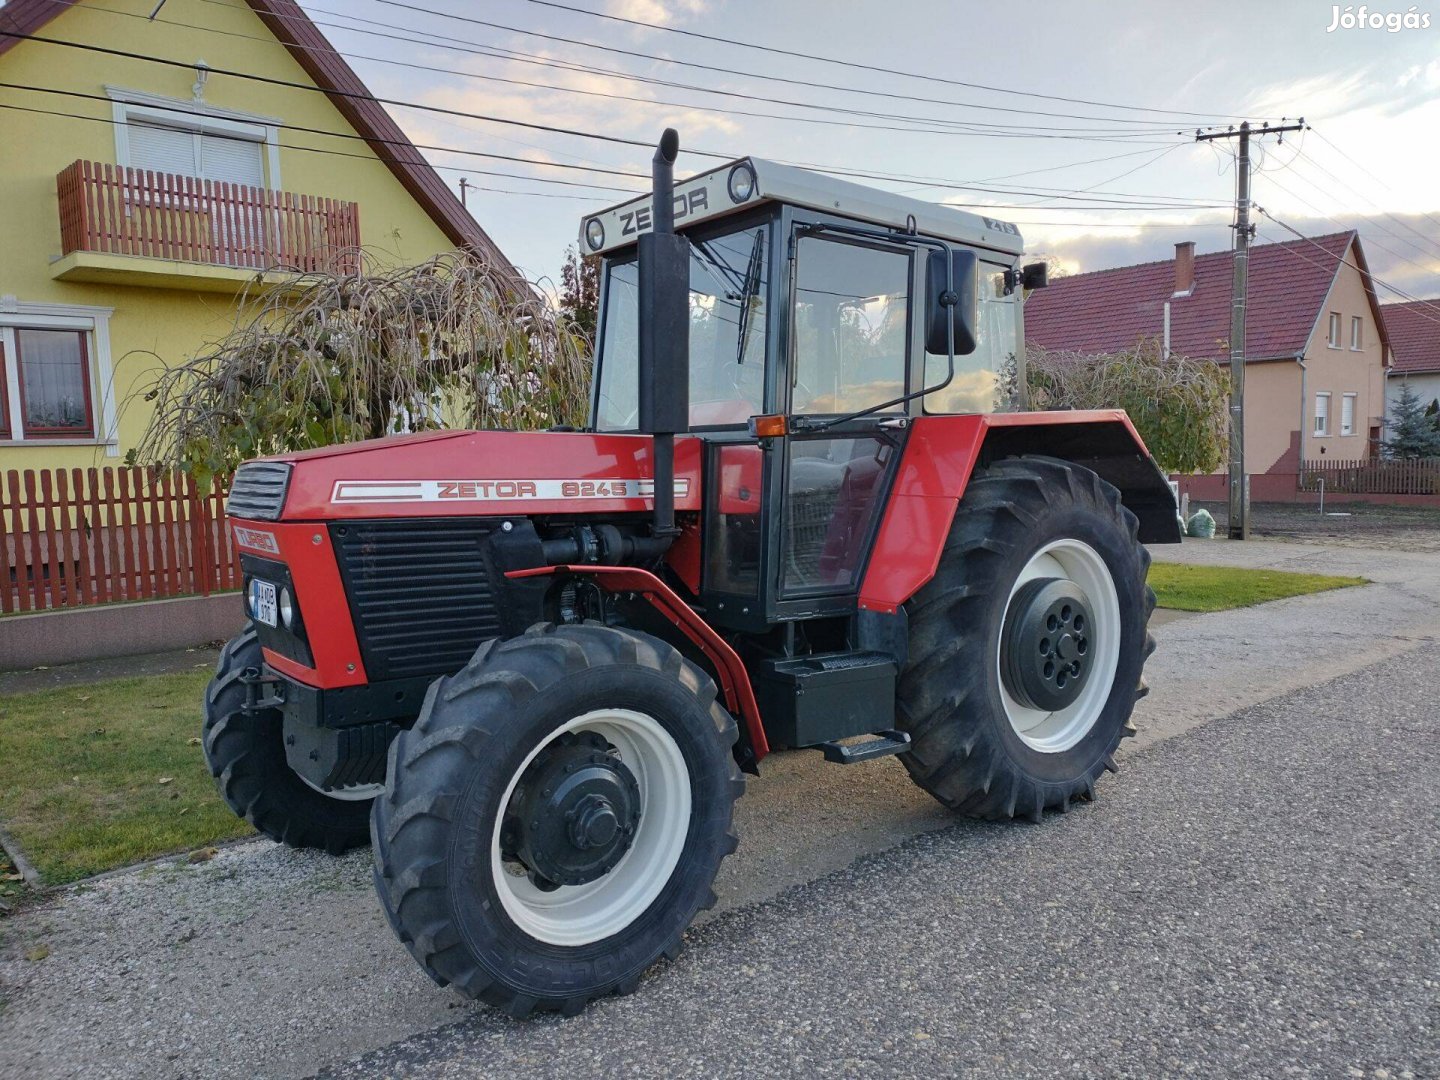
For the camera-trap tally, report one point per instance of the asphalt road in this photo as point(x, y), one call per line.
point(838, 929)
point(1258, 898)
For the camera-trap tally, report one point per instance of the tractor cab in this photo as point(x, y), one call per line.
point(814, 339)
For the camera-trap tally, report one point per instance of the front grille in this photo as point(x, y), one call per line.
point(423, 594)
point(258, 490)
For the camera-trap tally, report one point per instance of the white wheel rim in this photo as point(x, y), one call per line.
point(574, 915)
point(1056, 732)
point(354, 793)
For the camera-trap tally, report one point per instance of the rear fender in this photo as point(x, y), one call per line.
point(942, 453)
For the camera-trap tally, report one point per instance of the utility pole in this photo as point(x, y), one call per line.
point(464, 183)
point(1240, 282)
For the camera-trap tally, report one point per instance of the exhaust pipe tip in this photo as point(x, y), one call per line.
point(669, 148)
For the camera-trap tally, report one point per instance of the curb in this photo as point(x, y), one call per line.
point(22, 864)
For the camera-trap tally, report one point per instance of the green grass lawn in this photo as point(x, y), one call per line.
point(95, 777)
point(1186, 587)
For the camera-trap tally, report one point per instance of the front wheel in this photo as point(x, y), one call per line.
point(1026, 648)
point(245, 751)
point(556, 817)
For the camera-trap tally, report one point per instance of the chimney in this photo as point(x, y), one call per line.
point(1185, 268)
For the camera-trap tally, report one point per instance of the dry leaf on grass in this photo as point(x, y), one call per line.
point(166, 780)
point(193, 742)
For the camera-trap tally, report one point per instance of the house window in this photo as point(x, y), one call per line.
point(55, 375)
point(1322, 414)
point(53, 369)
point(1357, 333)
point(189, 138)
point(1347, 414)
point(1333, 340)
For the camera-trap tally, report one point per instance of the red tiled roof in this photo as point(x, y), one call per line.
point(1414, 335)
point(1110, 310)
point(293, 28)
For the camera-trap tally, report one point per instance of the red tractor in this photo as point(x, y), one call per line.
point(530, 668)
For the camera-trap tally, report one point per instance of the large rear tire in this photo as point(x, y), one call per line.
point(556, 817)
point(1026, 648)
point(246, 756)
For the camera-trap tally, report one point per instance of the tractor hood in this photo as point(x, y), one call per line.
point(464, 473)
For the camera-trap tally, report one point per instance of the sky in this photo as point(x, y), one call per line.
point(1079, 118)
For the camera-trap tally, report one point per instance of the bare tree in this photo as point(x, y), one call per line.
point(328, 358)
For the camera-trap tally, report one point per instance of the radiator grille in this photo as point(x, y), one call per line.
point(258, 491)
point(422, 593)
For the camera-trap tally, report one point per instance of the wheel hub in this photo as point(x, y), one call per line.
point(1045, 644)
point(574, 813)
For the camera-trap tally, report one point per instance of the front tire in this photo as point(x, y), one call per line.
point(1026, 648)
point(246, 755)
point(556, 817)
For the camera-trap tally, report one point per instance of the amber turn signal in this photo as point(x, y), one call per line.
point(767, 427)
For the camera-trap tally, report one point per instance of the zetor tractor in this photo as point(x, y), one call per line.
point(530, 668)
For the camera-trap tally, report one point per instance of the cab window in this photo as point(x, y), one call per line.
point(982, 379)
point(729, 276)
point(851, 326)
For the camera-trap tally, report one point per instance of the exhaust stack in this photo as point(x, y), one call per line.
point(664, 332)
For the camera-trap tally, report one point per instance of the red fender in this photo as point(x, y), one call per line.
point(940, 455)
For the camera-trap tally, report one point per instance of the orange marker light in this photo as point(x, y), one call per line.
point(767, 427)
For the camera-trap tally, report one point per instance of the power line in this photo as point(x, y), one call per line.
point(186, 111)
point(1432, 305)
point(870, 67)
point(951, 130)
point(1321, 136)
point(591, 45)
point(1103, 203)
point(1354, 191)
point(304, 149)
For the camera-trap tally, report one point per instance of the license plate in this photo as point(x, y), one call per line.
point(262, 603)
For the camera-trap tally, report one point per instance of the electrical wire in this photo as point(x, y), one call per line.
point(735, 72)
point(871, 67)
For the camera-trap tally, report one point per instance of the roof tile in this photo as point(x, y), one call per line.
point(1110, 310)
point(1414, 335)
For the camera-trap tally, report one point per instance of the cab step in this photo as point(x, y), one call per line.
point(881, 744)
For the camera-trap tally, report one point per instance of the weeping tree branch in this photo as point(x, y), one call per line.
point(337, 357)
point(1178, 405)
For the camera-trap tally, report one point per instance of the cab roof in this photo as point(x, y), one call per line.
point(711, 195)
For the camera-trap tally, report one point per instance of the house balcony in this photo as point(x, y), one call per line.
point(126, 226)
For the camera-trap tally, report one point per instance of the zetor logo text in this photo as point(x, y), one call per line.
point(1362, 18)
point(686, 203)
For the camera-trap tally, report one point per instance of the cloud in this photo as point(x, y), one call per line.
point(654, 11)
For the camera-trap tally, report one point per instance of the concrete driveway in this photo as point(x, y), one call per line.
point(267, 962)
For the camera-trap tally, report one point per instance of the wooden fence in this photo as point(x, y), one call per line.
point(1411, 476)
point(123, 211)
point(75, 537)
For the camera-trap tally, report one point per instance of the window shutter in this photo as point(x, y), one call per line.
point(162, 149)
point(232, 160)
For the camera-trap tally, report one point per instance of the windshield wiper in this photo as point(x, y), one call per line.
point(748, 292)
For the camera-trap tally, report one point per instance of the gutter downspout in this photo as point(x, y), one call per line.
point(1304, 371)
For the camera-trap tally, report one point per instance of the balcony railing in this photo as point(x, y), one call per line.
point(116, 210)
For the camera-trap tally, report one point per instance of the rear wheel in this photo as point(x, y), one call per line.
point(246, 755)
point(556, 816)
point(1026, 648)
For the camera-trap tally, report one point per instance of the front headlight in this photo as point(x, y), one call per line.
point(595, 234)
point(741, 183)
point(287, 609)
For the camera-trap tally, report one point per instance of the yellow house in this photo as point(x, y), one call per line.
point(146, 184)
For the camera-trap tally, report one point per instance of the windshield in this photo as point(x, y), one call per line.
point(728, 277)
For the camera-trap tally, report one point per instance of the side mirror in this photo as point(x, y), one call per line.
point(952, 304)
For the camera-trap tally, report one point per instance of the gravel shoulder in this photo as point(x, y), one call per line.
point(270, 962)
